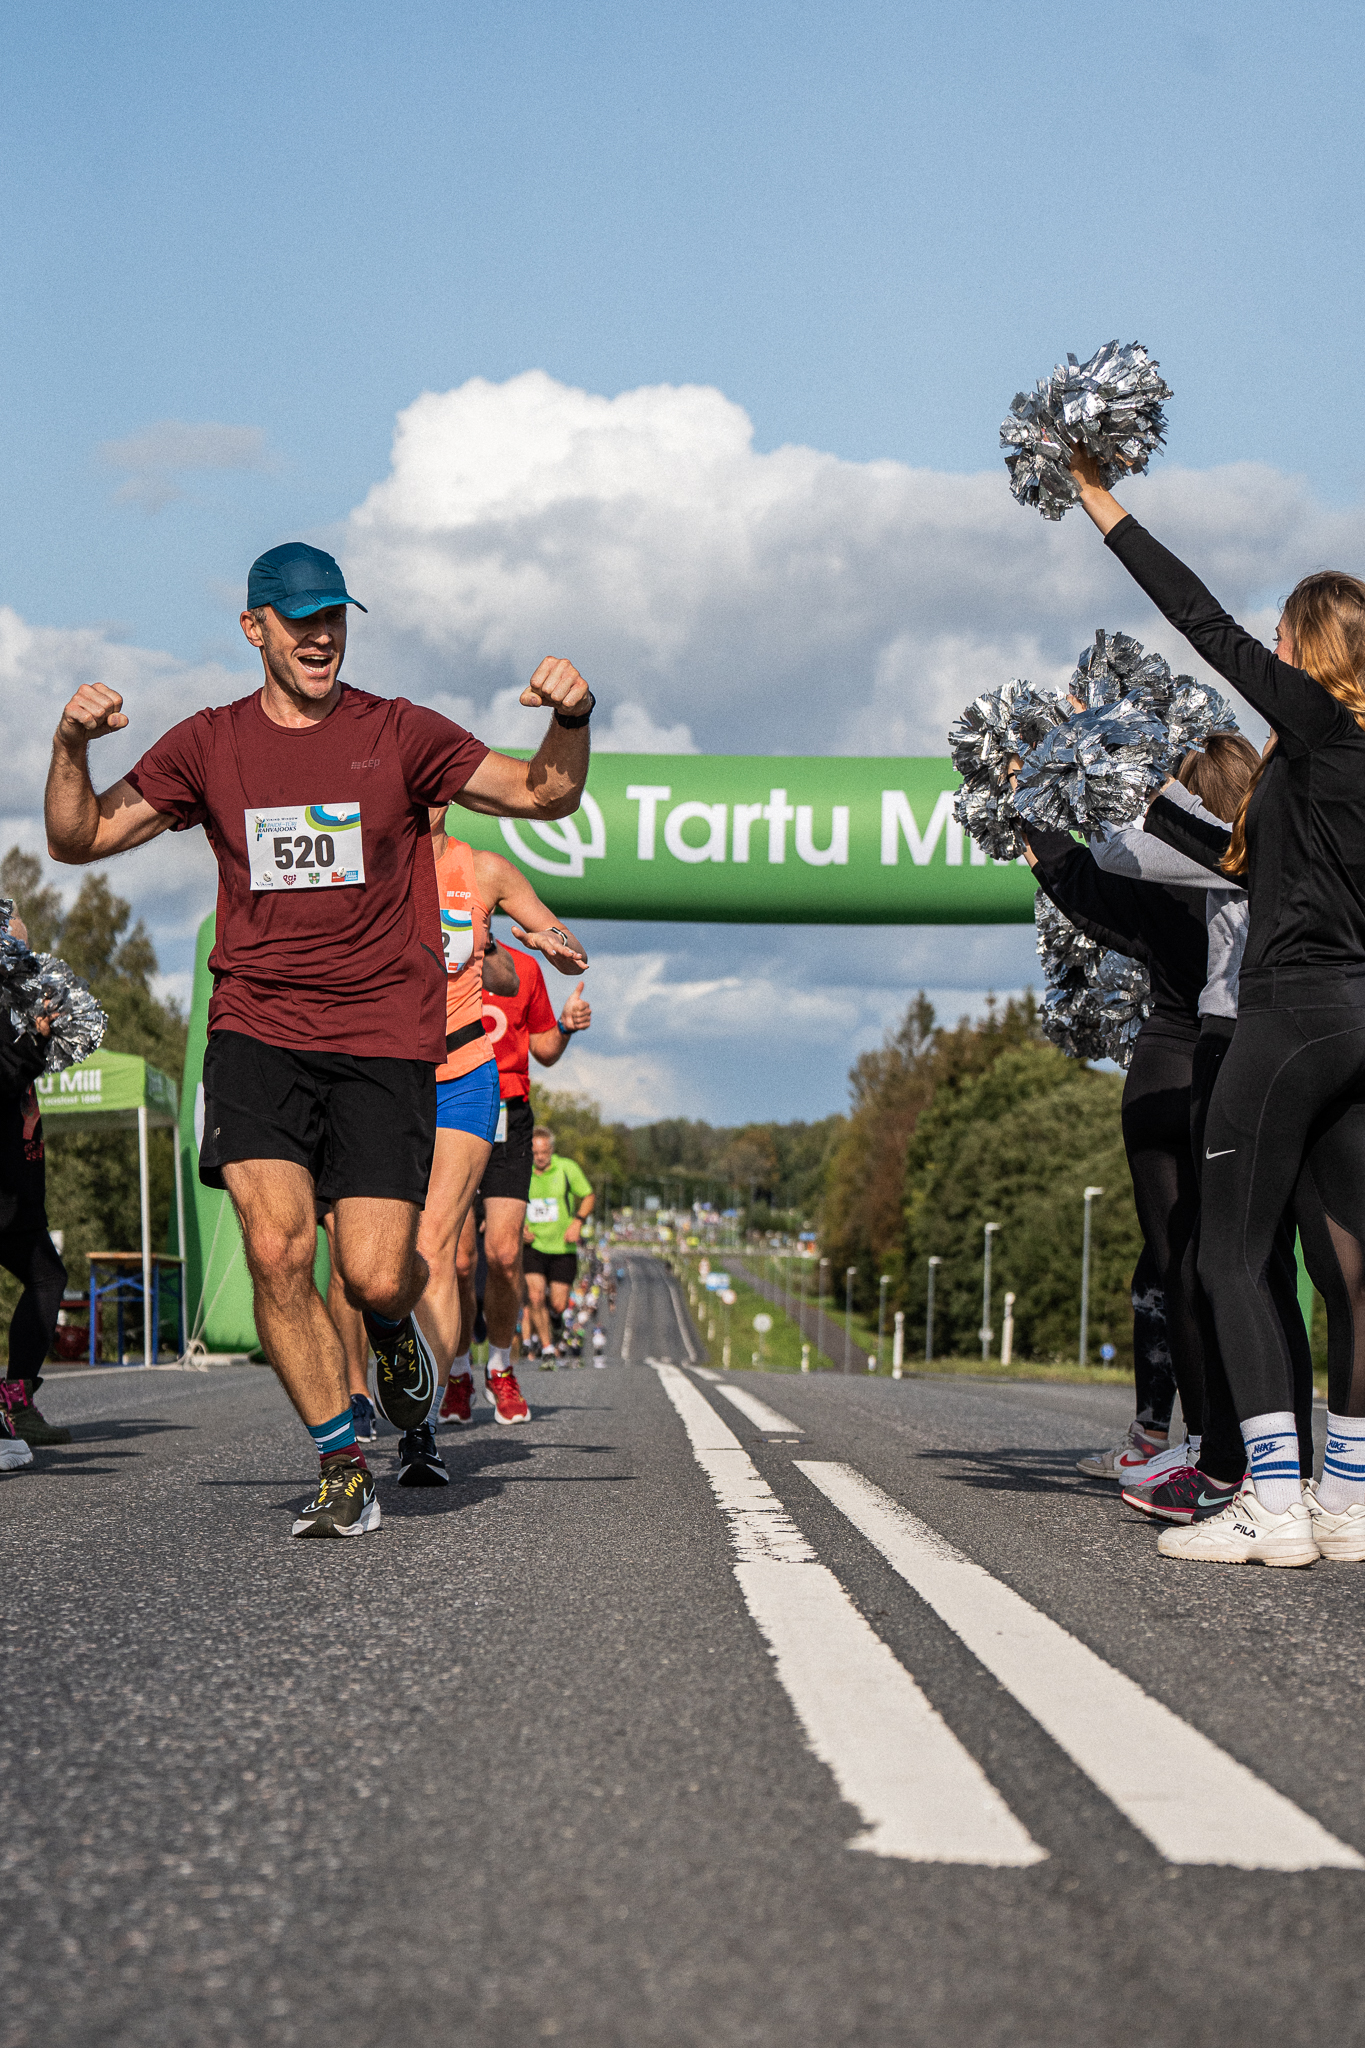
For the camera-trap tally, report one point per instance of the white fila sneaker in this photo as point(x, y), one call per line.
point(1246, 1533)
point(1342, 1536)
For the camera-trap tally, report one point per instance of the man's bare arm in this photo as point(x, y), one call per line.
point(551, 784)
point(82, 826)
point(575, 1016)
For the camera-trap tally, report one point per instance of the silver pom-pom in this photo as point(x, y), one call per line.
point(1097, 769)
point(1194, 714)
point(33, 982)
point(1110, 405)
point(1119, 666)
point(1096, 1000)
point(994, 728)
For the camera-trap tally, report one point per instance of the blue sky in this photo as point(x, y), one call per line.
point(866, 227)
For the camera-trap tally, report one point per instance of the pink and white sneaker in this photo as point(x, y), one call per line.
point(1162, 1467)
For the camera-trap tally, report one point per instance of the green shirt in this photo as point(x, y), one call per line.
point(553, 1204)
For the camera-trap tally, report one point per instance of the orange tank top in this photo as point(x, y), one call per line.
point(464, 936)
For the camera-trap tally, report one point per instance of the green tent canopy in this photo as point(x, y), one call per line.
point(119, 1091)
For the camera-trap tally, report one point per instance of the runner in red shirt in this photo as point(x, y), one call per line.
point(520, 1026)
point(327, 1020)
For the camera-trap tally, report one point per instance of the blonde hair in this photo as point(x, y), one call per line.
point(1325, 614)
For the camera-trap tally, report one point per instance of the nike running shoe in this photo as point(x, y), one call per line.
point(362, 1419)
point(14, 1452)
point(457, 1403)
point(508, 1400)
point(345, 1503)
point(1184, 1495)
point(405, 1373)
point(419, 1461)
point(1247, 1533)
point(1164, 1465)
point(1126, 1459)
point(1340, 1537)
point(36, 1430)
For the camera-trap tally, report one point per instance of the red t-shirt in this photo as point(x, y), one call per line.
point(306, 954)
point(510, 1020)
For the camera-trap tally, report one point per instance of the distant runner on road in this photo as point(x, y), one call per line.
point(561, 1201)
point(327, 1020)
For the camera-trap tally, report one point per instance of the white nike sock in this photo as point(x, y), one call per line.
point(1343, 1467)
point(1194, 1443)
point(459, 1366)
point(1272, 1442)
point(499, 1358)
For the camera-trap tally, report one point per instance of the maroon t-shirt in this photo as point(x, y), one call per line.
point(305, 959)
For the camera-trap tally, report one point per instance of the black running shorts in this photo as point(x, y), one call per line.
point(507, 1176)
point(560, 1266)
point(359, 1126)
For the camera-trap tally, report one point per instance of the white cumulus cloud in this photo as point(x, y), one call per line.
point(771, 602)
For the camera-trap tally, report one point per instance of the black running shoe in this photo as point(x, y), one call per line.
point(1189, 1495)
point(419, 1461)
point(362, 1418)
point(345, 1503)
point(405, 1373)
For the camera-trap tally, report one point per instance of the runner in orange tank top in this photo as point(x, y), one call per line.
point(471, 886)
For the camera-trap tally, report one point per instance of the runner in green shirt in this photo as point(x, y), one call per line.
point(560, 1201)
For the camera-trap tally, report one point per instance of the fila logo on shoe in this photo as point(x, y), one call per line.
point(1243, 1530)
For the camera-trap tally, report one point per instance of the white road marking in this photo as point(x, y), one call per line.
point(680, 1318)
point(921, 1796)
point(759, 1413)
point(704, 1372)
point(1193, 1801)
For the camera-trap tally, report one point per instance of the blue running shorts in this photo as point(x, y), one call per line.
point(471, 1103)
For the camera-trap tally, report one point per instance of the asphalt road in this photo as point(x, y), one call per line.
point(523, 1767)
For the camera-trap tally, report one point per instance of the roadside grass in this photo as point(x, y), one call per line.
point(780, 1349)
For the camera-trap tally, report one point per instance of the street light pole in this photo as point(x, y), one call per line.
point(929, 1315)
point(820, 1304)
point(882, 1286)
point(849, 1272)
point(986, 1332)
point(1090, 1194)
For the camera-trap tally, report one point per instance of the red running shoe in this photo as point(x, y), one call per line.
point(506, 1396)
point(457, 1403)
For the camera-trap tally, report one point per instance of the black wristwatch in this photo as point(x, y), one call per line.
point(579, 718)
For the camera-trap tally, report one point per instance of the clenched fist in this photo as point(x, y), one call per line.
point(94, 711)
point(557, 685)
point(576, 1014)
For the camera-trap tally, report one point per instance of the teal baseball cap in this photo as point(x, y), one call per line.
point(296, 580)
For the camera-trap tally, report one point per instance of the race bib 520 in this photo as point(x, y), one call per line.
point(544, 1209)
point(305, 846)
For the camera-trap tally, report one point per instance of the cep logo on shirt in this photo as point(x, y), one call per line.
point(357, 765)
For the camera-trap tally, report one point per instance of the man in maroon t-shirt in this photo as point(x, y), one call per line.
point(520, 1026)
point(327, 1019)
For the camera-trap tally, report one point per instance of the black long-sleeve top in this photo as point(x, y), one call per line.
point(1306, 820)
point(1196, 838)
point(1163, 928)
point(23, 1174)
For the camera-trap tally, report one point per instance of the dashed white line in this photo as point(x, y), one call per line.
point(921, 1795)
point(1193, 1801)
point(759, 1413)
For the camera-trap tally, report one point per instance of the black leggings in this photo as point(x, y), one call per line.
point(36, 1263)
point(1287, 1123)
point(1156, 1137)
point(1153, 1380)
point(1222, 1454)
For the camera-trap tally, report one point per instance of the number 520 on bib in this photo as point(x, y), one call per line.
point(299, 847)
